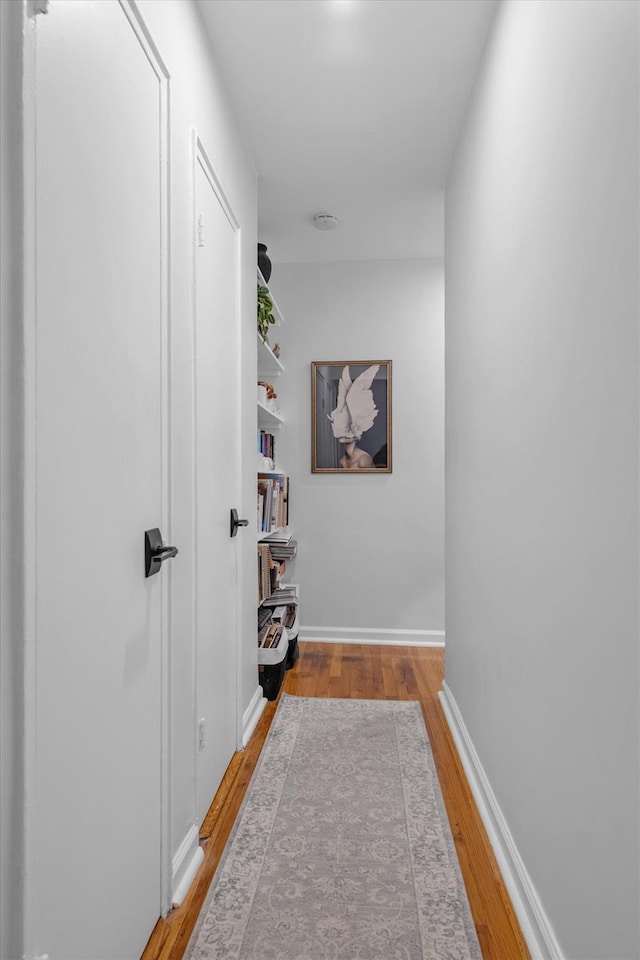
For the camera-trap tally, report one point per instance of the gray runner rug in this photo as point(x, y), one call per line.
point(342, 848)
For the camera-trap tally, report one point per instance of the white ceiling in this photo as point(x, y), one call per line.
point(349, 107)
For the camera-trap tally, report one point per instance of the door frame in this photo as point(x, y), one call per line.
point(32, 10)
point(201, 158)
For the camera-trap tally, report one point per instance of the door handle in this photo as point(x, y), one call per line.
point(235, 523)
point(155, 552)
point(165, 554)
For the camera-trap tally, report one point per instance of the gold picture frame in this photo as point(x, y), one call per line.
point(351, 416)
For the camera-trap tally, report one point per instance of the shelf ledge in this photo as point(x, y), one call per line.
point(280, 532)
point(268, 364)
point(268, 417)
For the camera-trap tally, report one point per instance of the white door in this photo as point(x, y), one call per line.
point(100, 355)
point(217, 428)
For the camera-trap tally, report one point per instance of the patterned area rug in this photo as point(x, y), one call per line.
point(342, 848)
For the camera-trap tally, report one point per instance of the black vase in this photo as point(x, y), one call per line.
point(264, 262)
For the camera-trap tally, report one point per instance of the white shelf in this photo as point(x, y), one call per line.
point(268, 364)
point(284, 531)
point(268, 419)
point(269, 367)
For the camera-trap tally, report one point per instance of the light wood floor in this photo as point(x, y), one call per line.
point(369, 672)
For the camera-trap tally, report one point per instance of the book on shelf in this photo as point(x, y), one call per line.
point(267, 444)
point(270, 623)
point(273, 503)
point(267, 572)
point(278, 537)
point(271, 637)
point(279, 597)
point(264, 619)
point(283, 551)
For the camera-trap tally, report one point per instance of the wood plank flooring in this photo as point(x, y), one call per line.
point(369, 672)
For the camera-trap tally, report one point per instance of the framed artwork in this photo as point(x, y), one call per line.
point(351, 416)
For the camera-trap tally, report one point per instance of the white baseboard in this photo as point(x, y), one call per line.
point(534, 923)
point(185, 865)
point(373, 635)
point(252, 714)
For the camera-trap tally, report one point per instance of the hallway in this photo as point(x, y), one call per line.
point(482, 160)
point(365, 672)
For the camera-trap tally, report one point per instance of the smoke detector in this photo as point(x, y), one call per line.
point(325, 221)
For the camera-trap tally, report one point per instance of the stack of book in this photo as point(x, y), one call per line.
point(271, 620)
point(273, 503)
point(266, 444)
point(283, 550)
point(264, 619)
point(271, 637)
point(281, 597)
point(277, 537)
point(267, 573)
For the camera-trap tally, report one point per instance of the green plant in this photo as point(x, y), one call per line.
point(265, 311)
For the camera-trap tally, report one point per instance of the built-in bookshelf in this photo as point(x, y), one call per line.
point(277, 603)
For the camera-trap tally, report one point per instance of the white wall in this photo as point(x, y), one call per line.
point(542, 453)
point(370, 546)
point(10, 503)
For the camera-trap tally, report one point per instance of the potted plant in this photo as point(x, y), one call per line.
point(265, 312)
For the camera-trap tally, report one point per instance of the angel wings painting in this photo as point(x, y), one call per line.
point(354, 414)
point(352, 400)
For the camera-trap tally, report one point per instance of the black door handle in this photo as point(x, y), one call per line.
point(235, 523)
point(165, 554)
point(155, 552)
